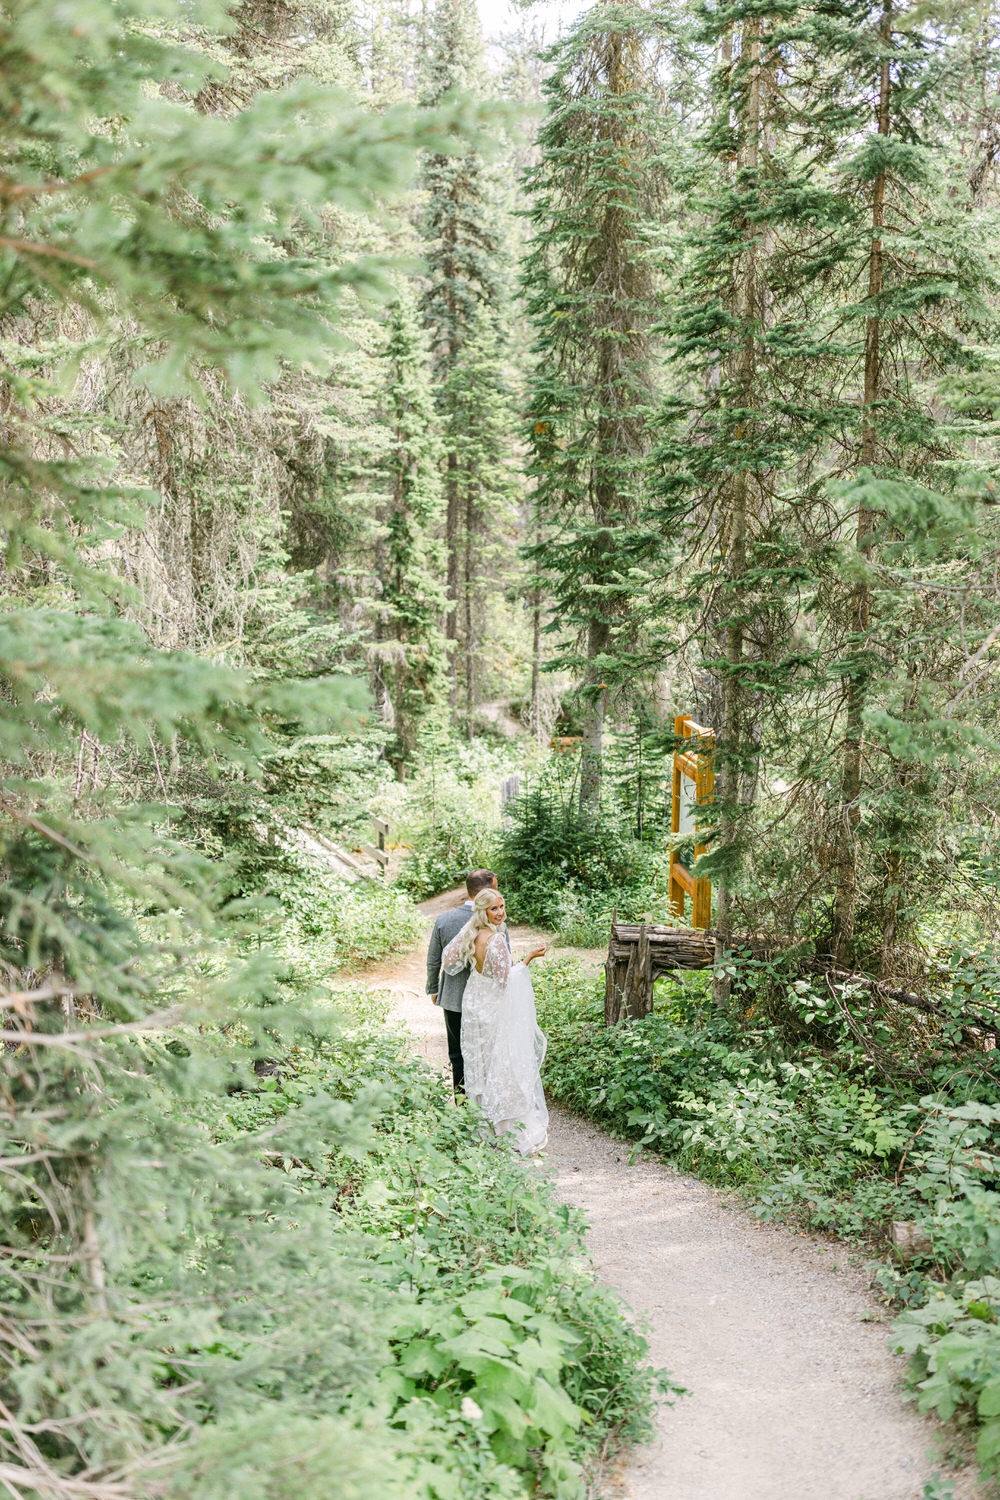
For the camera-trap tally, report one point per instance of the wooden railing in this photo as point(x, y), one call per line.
point(376, 851)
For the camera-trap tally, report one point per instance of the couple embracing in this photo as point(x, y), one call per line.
point(494, 1044)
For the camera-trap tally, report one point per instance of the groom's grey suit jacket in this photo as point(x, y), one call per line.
point(449, 988)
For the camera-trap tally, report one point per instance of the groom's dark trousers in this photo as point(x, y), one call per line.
point(453, 1026)
point(449, 988)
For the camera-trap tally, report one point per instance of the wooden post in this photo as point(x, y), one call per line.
point(610, 998)
point(614, 978)
point(641, 998)
point(377, 850)
point(629, 971)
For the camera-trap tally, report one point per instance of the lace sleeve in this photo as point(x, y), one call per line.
point(451, 959)
point(496, 964)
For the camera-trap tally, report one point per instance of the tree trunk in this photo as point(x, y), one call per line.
point(451, 543)
point(381, 676)
point(470, 644)
point(536, 642)
point(729, 731)
point(453, 507)
point(392, 679)
point(536, 663)
point(592, 750)
point(859, 617)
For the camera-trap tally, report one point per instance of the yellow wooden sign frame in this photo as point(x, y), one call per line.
point(694, 762)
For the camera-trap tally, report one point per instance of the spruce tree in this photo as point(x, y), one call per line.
point(591, 294)
point(744, 415)
point(412, 654)
point(463, 288)
point(132, 216)
point(905, 311)
point(797, 441)
point(915, 280)
point(480, 418)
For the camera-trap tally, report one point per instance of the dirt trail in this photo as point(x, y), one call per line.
point(793, 1393)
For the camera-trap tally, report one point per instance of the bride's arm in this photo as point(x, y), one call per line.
point(452, 961)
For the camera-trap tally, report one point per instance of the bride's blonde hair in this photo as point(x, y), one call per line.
point(477, 923)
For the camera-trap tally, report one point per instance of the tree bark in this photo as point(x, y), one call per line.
point(470, 644)
point(729, 732)
point(451, 481)
point(859, 616)
point(592, 749)
point(536, 643)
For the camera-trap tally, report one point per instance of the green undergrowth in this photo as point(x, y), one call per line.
point(568, 872)
point(818, 1134)
point(319, 925)
point(329, 924)
point(500, 1367)
point(306, 910)
point(446, 813)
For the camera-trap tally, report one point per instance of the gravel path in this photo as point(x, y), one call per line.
point(793, 1394)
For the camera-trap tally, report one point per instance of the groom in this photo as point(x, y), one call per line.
point(447, 926)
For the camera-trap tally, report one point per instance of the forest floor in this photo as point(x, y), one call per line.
point(776, 1336)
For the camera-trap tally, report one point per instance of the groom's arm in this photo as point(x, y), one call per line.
point(434, 961)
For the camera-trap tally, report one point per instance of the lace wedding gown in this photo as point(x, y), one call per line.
point(502, 1045)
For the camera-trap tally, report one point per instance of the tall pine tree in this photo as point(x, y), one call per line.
point(410, 650)
point(805, 468)
point(131, 216)
point(592, 297)
point(462, 308)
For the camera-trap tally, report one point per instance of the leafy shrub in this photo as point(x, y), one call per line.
point(567, 872)
point(954, 1346)
point(815, 1140)
point(447, 814)
point(505, 1367)
point(372, 919)
point(444, 865)
point(324, 923)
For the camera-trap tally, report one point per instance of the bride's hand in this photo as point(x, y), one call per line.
point(537, 953)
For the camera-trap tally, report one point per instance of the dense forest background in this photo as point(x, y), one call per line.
point(668, 387)
point(386, 416)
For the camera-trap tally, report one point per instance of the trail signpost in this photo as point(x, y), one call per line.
point(694, 782)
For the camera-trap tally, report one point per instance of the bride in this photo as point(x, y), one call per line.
point(501, 1043)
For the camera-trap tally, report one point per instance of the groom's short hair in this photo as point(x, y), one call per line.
point(478, 880)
